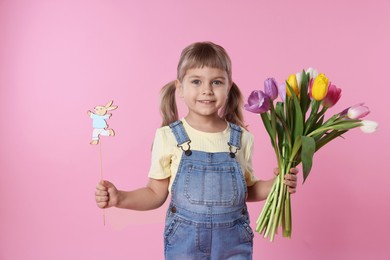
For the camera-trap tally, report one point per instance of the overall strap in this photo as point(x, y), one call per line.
point(181, 136)
point(235, 139)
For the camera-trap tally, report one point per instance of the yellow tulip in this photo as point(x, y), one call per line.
point(320, 87)
point(292, 82)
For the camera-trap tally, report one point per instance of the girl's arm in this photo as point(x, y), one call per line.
point(260, 190)
point(150, 197)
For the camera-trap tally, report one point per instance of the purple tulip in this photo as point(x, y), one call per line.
point(357, 111)
point(332, 97)
point(282, 91)
point(345, 111)
point(258, 102)
point(271, 88)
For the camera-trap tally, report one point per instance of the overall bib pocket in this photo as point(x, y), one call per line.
point(211, 185)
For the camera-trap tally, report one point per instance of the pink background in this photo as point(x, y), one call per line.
point(59, 59)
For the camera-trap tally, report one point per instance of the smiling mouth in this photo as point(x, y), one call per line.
point(206, 101)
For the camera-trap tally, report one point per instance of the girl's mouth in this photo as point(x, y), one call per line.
point(206, 101)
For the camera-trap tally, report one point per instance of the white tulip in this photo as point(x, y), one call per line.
point(312, 72)
point(299, 79)
point(368, 126)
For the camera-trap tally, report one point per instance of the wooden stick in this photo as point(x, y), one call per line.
point(101, 177)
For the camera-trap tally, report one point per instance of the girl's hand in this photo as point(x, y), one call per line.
point(290, 179)
point(106, 194)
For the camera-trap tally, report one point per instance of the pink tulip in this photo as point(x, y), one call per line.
point(358, 111)
point(333, 95)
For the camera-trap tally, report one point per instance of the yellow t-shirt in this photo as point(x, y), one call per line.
point(166, 155)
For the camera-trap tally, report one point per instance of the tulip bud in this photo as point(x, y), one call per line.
point(299, 79)
point(271, 88)
point(312, 72)
point(292, 82)
point(258, 102)
point(358, 111)
point(282, 91)
point(320, 87)
point(368, 126)
point(333, 95)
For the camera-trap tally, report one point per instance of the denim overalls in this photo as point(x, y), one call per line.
point(207, 217)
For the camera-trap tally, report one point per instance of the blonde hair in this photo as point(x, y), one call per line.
point(199, 55)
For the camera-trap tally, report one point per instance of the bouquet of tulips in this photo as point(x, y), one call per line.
point(298, 128)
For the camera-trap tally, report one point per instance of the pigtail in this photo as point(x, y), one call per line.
point(232, 111)
point(168, 107)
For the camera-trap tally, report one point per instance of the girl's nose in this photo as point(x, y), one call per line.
point(207, 89)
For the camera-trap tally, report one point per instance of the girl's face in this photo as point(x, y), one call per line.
point(205, 91)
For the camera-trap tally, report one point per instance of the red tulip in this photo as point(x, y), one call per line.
point(333, 95)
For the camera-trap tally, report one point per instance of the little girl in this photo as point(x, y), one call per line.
point(204, 161)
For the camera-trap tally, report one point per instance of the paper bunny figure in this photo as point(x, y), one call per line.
point(99, 124)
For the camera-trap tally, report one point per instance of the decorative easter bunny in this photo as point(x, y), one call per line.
point(99, 124)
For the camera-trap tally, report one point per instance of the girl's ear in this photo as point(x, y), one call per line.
point(179, 87)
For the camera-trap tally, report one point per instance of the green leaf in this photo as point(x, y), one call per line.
point(328, 137)
point(313, 115)
point(289, 115)
point(298, 119)
point(296, 147)
point(331, 120)
point(280, 110)
point(320, 122)
point(304, 94)
point(268, 127)
point(280, 135)
point(308, 149)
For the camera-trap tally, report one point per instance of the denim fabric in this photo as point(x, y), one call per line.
point(207, 217)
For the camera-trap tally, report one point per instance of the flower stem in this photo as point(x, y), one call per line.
point(279, 206)
point(273, 209)
point(287, 211)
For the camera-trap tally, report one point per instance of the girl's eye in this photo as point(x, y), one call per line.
point(217, 82)
point(195, 82)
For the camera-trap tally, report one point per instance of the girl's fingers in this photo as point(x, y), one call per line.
point(99, 186)
point(292, 190)
point(101, 199)
point(101, 196)
point(290, 177)
point(102, 204)
point(101, 193)
point(290, 184)
point(292, 171)
point(291, 181)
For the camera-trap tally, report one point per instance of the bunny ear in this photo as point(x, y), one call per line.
point(111, 108)
point(109, 104)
